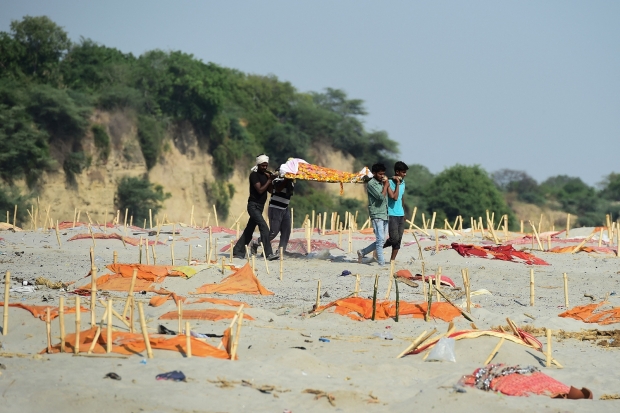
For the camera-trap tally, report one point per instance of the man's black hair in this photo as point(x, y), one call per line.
point(400, 166)
point(378, 167)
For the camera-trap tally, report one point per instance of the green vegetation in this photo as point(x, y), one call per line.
point(565, 193)
point(9, 197)
point(467, 191)
point(139, 195)
point(102, 141)
point(220, 194)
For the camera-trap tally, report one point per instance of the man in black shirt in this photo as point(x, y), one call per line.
point(260, 183)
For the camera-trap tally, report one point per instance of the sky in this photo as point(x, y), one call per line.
point(525, 85)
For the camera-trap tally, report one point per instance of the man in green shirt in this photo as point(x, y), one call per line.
point(377, 189)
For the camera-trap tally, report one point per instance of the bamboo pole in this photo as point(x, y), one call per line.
point(531, 287)
point(600, 238)
point(389, 289)
point(235, 344)
point(7, 287)
point(374, 298)
point(565, 290)
point(189, 255)
point(265, 257)
point(536, 235)
point(281, 262)
point(188, 340)
point(468, 291)
point(114, 257)
point(567, 225)
point(397, 300)
point(494, 351)
point(232, 323)
point(180, 314)
point(217, 224)
point(76, 348)
point(108, 341)
point(350, 241)
point(582, 243)
point(132, 315)
point(140, 251)
point(132, 285)
point(154, 255)
point(433, 220)
point(437, 283)
point(146, 251)
point(58, 235)
point(93, 291)
point(548, 353)
point(318, 296)
point(292, 221)
point(357, 285)
point(172, 253)
point(419, 340)
point(145, 332)
point(48, 329)
point(61, 322)
point(191, 217)
point(15, 217)
point(415, 210)
point(423, 222)
point(436, 242)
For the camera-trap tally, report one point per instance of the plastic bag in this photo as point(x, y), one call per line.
point(443, 351)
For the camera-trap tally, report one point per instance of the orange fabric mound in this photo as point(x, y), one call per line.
point(586, 314)
point(569, 250)
point(153, 273)
point(164, 296)
point(358, 308)
point(41, 310)
point(209, 314)
point(133, 343)
point(369, 230)
point(242, 281)
point(221, 301)
point(116, 282)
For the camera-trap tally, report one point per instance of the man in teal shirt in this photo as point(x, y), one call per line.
point(396, 212)
point(377, 189)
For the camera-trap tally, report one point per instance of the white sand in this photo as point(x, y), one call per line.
point(353, 365)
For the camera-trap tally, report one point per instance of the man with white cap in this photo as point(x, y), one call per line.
point(260, 184)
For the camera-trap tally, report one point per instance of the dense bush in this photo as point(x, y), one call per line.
point(151, 137)
point(9, 197)
point(220, 194)
point(138, 195)
point(102, 141)
point(467, 191)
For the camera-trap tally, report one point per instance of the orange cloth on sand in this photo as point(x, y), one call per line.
point(164, 296)
point(41, 310)
point(221, 301)
point(154, 273)
point(116, 282)
point(242, 281)
point(570, 248)
point(209, 314)
point(133, 343)
point(586, 314)
point(369, 230)
point(361, 308)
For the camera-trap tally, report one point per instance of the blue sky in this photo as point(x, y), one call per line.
point(523, 85)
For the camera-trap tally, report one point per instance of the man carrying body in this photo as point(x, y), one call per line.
point(377, 189)
point(260, 183)
point(279, 212)
point(396, 212)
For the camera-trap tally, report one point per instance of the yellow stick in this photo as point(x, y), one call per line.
point(76, 349)
point(93, 293)
point(48, 329)
point(391, 279)
point(281, 262)
point(108, 344)
point(188, 340)
point(548, 353)
point(7, 287)
point(567, 225)
point(415, 209)
point(189, 255)
point(318, 296)
point(565, 290)
point(494, 352)
point(180, 314)
point(265, 257)
point(433, 220)
point(61, 321)
point(531, 287)
point(145, 332)
point(130, 293)
point(217, 224)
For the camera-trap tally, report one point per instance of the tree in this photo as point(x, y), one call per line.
point(467, 191)
point(610, 187)
point(42, 43)
point(138, 195)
